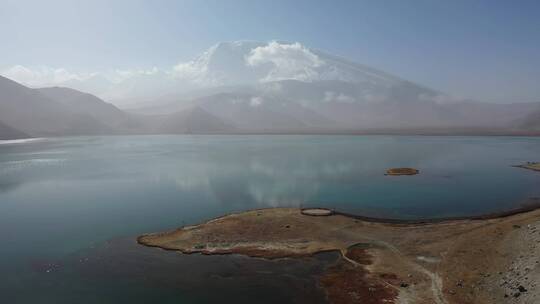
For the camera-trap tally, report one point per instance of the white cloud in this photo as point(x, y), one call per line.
point(272, 87)
point(440, 98)
point(330, 96)
point(42, 76)
point(344, 98)
point(289, 61)
point(48, 76)
point(256, 101)
point(373, 98)
point(192, 71)
point(236, 101)
point(111, 84)
point(117, 76)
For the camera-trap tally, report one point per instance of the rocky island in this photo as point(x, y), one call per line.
point(489, 259)
point(402, 171)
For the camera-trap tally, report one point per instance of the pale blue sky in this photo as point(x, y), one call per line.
point(487, 50)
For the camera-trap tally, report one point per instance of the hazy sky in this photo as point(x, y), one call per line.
point(487, 50)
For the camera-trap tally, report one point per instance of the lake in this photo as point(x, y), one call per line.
point(71, 207)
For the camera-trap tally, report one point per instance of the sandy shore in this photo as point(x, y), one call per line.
point(492, 259)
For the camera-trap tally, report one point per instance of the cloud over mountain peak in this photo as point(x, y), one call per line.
point(287, 61)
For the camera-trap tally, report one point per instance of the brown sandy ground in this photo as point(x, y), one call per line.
point(455, 261)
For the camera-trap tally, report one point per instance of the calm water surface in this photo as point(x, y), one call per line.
point(70, 207)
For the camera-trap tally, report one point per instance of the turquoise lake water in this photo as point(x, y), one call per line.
point(70, 207)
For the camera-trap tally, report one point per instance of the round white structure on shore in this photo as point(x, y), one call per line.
point(317, 211)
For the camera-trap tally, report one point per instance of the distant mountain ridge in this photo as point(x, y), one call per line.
point(531, 121)
point(79, 102)
point(310, 107)
point(256, 87)
point(35, 114)
point(288, 78)
point(7, 132)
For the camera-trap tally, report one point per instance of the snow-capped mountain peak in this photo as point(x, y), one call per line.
point(237, 63)
point(250, 62)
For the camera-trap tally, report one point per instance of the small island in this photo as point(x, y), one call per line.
point(535, 166)
point(401, 171)
point(487, 259)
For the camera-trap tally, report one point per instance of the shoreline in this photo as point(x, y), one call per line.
point(532, 167)
point(532, 205)
point(442, 261)
point(20, 140)
point(535, 134)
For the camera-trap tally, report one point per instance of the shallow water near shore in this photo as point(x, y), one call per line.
point(71, 207)
point(122, 271)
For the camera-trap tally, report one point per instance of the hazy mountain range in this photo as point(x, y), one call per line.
point(253, 87)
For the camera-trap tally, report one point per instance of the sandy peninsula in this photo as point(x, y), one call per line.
point(535, 166)
point(491, 259)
